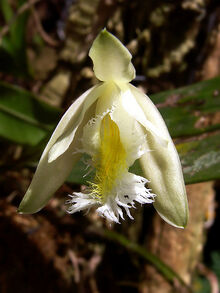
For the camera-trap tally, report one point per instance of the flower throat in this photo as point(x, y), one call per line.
point(110, 160)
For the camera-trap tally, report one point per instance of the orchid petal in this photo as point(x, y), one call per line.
point(131, 106)
point(72, 119)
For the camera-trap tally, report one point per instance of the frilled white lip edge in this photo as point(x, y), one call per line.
point(129, 189)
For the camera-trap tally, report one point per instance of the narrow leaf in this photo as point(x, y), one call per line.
point(163, 268)
point(191, 110)
point(23, 118)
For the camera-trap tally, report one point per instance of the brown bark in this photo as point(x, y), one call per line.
point(180, 249)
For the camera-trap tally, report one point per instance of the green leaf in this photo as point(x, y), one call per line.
point(189, 110)
point(23, 118)
point(164, 269)
point(201, 283)
point(13, 58)
point(18, 29)
point(200, 159)
point(6, 10)
point(215, 260)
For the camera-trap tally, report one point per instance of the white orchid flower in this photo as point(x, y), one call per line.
point(115, 124)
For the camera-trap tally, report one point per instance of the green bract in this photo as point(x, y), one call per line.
point(115, 124)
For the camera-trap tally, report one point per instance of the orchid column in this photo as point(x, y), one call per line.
point(115, 124)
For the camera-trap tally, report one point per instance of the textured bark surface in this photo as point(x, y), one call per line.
point(180, 249)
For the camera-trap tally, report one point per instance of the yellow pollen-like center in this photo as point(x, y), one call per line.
point(110, 160)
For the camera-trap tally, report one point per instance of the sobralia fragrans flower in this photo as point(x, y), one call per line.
point(115, 124)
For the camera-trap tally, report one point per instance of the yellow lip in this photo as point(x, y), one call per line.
point(110, 160)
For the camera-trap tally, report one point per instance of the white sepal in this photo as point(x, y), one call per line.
point(162, 167)
point(54, 166)
point(111, 60)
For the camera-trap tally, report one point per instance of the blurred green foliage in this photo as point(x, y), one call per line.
point(23, 118)
point(202, 284)
point(13, 54)
point(189, 110)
